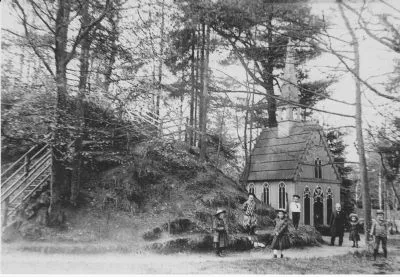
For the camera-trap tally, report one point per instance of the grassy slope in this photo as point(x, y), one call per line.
point(172, 185)
point(157, 184)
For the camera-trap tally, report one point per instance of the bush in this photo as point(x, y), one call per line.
point(203, 216)
point(265, 221)
point(240, 244)
point(324, 230)
point(266, 211)
point(304, 236)
point(202, 244)
point(153, 234)
point(181, 225)
point(266, 238)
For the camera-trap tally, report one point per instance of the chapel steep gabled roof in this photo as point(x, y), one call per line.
point(278, 156)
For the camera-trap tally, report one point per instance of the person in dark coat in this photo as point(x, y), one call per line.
point(337, 222)
point(354, 230)
point(220, 230)
point(281, 234)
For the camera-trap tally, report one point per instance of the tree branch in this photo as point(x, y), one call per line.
point(35, 7)
point(84, 32)
point(24, 23)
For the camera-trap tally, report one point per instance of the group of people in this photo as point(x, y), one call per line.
point(378, 233)
point(281, 240)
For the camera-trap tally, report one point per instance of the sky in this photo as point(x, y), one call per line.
point(375, 59)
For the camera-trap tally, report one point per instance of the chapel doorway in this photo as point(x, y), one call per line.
point(318, 212)
point(307, 206)
point(318, 206)
point(329, 207)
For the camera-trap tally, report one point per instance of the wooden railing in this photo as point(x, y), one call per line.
point(23, 178)
point(168, 128)
point(20, 180)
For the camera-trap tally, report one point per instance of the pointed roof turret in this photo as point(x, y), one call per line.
point(290, 91)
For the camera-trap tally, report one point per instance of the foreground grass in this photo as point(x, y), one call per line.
point(347, 264)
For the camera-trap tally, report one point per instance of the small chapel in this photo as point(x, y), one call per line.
point(294, 158)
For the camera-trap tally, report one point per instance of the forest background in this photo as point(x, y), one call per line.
point(208, 74)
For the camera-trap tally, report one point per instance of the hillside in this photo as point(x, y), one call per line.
point(139, 196)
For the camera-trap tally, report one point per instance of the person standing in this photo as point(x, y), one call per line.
point(337, 222)
point(354, 229)
point(295, 209)
point(379, 230)
point(220, 230)
point(250, 219)
point(281, 234)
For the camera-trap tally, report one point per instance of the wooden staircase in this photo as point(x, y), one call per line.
point(23, 178)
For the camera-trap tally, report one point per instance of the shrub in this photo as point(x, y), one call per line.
point(153, 234)
point(203, 216)
point(202, 244)
point(181, 225)
point(324, 230)
point(266, 238)
point(305, 236)
point(266, 211)
point(265, 221)
point(240, 243)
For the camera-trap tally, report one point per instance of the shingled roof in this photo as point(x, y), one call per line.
point(275, 156)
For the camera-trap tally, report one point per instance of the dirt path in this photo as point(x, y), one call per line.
point(35, 263)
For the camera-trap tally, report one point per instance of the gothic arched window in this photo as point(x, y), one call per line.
point(295, 114)
point(307, 205)
point(266, 194)
point(251, 188)
point(283, 114)
point(329, 203)
point(318, 194)
point(318, 206)
point(282, 196)
point(318, 169)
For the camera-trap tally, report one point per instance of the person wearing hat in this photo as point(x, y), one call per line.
point(379, 230)
point(337, 222)
point(354, 229)
point(295, 209)
point(249, 218)
point(281, 233)
point(220, 230)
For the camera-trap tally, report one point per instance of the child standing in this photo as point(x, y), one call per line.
point(354, 229)
point(220, 232)
point(379, 232)
point(295, 208)
point(249, 218)
point(281, 236)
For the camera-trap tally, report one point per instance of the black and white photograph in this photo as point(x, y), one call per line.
point(200, 137)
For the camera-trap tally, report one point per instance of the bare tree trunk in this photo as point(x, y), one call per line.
point(203, 138)
point(114, 21)
point(181, 111)
point(220, 135)
point(201, 94)
point(192, 93)
point(269, 68)
point(60, 134)
point(366, 200)
point(196, 96)
point(84, 71)
point(160, 62)
point(245, 140)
